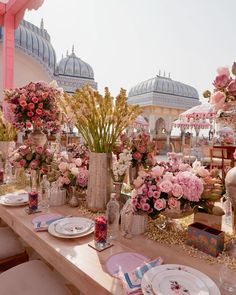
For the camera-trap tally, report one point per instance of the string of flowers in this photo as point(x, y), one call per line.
point(100, 120)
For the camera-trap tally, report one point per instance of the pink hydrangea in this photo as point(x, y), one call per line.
point(192, 186)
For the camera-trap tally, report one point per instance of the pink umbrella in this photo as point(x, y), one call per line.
point(201, 111)
point(140, 122)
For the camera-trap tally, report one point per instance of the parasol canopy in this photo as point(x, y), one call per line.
point(139, 122)
point(225, 131)
point(202, 111)
point(184, 124)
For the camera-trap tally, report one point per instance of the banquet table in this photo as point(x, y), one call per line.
point(83, 266)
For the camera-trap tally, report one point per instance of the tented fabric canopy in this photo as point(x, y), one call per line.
point(140, 122)
point(202, 111)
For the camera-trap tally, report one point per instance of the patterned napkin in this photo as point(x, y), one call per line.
point(42, 222)
point(132, 280)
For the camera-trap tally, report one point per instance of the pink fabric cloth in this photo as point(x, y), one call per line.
point(31, 278)
point(132, 280)
point(9, 243)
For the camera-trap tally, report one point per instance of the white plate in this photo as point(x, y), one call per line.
point(172, 282)
point(146, 284)
point(19, 199)
point(72, 226)
point(51, 230)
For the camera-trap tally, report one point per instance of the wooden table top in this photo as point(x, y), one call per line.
point(85, 267)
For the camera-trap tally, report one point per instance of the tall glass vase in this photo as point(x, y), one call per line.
point(35, 179)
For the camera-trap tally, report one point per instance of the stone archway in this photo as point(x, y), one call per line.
point(160, 127)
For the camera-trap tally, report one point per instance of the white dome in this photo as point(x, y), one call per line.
point(74, 67)
point(164, 85)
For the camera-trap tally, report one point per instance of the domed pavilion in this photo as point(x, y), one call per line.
point(162, 100)
point(35, 60)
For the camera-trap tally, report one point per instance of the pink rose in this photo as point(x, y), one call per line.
point(173, 203)
point(82, 177)
point(35, 99)
point(63, 167)
point(141, 148)
point(160, 204)
point(218, 99)
point(156, 194)
point(221, 81)
point(28, 124)
point(145, 207)
point(22, 162)
point(45, 95)
point(203, 172)
point(40, 105)
point(232, 87)
point(223, 71)
point(31, 106)
point(22, 97)
point(23, 103)
point(39, 112)
point(137, 156)
point(177, 190)
point(138, 182)
point(78, 162)
point(30, 114)
point(34, 164)
point(157, 171)
point(166, 186)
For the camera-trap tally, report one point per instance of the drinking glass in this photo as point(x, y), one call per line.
point(227, 278)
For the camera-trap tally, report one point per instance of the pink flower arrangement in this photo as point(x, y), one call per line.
point(33, 105)
point(143, 149)
point(32, 157)
point(153, 193)
point(73, 172)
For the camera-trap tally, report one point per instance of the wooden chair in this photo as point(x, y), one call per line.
point(12, 252)
point(219, 159)
point(32, 277)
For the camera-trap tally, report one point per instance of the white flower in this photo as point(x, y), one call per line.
point(74, 171)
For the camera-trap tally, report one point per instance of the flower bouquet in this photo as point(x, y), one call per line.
point(223, 97)
point(100, 120)
point(120, 165)
point(142, 147)
point(31, 157)
point(34, 105)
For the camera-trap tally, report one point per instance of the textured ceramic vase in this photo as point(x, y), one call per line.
point(99, 182)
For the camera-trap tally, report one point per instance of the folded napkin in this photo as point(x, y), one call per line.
point(132, 280)
point(43, 225)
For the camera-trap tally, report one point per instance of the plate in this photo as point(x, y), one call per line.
point(52, 231)
point(19, 199)
point(72, 226)
point(148, 277)
point(172, 282)
point(125, 262)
